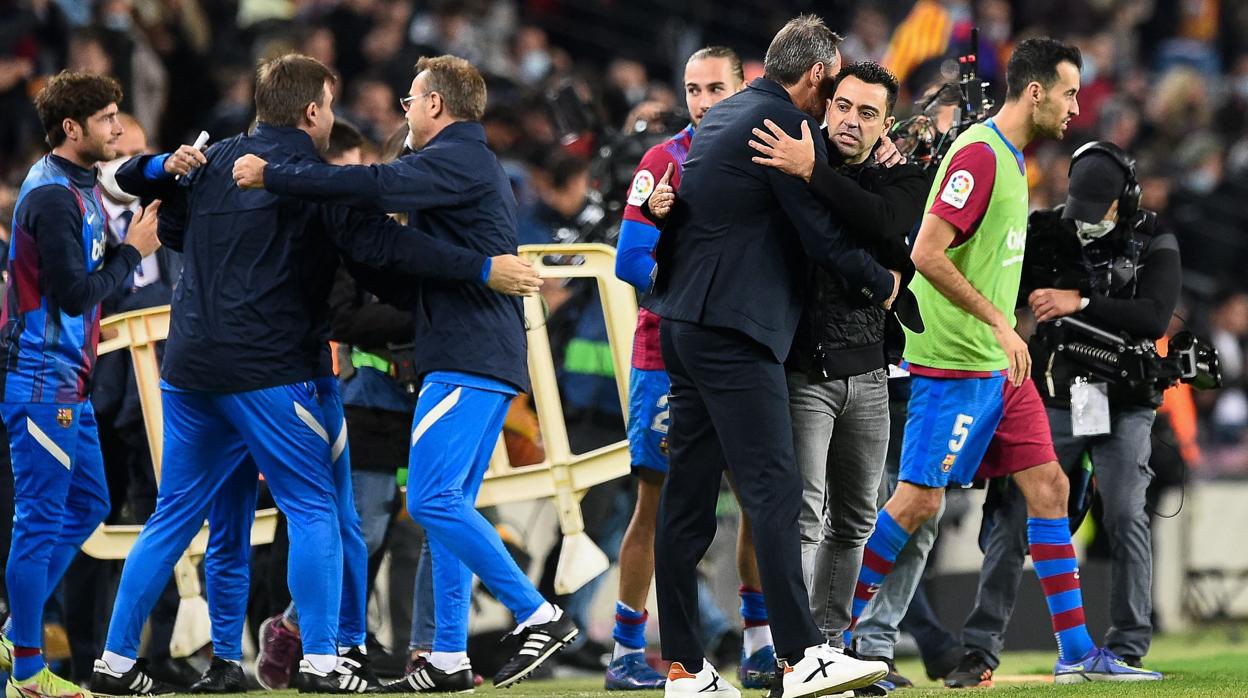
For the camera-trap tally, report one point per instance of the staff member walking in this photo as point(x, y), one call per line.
point(733, 266)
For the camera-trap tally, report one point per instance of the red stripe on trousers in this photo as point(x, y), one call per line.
point(1048, 551)
point(1068, 619)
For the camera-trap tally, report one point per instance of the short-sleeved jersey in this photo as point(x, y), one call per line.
point(988, 251)
point(646, 354)
point(48, 353)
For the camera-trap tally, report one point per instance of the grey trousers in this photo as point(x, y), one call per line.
point(840, 437)
point(1120, 464)
point(877, 632)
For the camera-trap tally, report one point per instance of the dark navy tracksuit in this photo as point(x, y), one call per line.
point(246, 381)
point(470, 350)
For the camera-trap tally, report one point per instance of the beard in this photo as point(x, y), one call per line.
point(99, 151)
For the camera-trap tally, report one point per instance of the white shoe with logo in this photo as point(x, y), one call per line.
point(707, 682)
point(825, 670)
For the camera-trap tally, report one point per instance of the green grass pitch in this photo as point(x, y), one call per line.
point(1213, 662)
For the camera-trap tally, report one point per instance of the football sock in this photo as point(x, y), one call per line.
point(1054, 559)
point(630, 630)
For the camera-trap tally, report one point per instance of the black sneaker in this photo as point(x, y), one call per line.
point(222, 677)
point(973, 671)
point(343, 679)
point(427, 678)
point(537, 644)
point(136, 682)
point(937, 668)
point(893, 677)
point(177, 673)
point(363, 665)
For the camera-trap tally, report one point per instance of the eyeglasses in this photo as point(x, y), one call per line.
point(405, 103)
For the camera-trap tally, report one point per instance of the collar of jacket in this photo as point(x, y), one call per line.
point(77, 175)
point(771, 86)
point(460, 131)
point(288, 137)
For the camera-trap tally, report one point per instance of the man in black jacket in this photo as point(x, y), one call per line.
point(733, 267)
point(838, 383)
point(1103, 261)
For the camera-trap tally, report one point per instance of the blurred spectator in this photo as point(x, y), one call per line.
point(868, 36)
point(374, 107)
point(1229, 330)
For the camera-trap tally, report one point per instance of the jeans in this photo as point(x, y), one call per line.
point(840, 437)
point(1120, 463)
point(424, 623)
point(877, 631)
point(374, 500)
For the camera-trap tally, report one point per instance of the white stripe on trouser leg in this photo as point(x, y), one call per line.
point(48, 444)
point(432, 416)
point(340, 443)
point(306, 417)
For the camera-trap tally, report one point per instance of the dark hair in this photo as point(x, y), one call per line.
point(286, 85)
point(1036, 60)
point(73, 96)
point(873, 74)
point(734, 61)
point(804, 41)
point(343, 137)
point(563, 167)
point(460, 84)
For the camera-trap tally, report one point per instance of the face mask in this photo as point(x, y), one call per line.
point(118, 21)
point(534, 66)
point(1090, 232)
point(1202, 182)
point(1089, 71)
point(108, 181)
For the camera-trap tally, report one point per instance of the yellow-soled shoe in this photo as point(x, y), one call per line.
point(45, 684)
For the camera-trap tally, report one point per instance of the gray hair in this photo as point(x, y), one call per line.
point(804, 41)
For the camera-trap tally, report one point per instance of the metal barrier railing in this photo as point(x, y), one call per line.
point(562, 476)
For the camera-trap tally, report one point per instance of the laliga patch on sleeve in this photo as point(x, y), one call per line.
point(643, 185)
point(958, 189)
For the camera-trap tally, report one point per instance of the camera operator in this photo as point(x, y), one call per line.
point(1101, 260)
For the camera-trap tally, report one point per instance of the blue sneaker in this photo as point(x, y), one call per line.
point(1100, 665)
point(632, 673)
point(759, 669)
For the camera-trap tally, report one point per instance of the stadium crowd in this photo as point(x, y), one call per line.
point(575, 99)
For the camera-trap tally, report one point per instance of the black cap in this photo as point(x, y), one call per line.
point(1096, 182)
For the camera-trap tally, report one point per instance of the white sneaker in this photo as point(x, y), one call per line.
point(825, 670)
point(705, 682)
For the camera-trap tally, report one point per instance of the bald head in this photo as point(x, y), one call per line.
point(133, 140)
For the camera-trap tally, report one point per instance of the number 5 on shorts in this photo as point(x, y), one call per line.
point(960, 432)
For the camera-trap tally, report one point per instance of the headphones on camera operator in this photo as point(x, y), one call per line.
point(1129, 199)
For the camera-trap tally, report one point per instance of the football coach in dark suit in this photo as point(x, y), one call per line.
point(734, 262)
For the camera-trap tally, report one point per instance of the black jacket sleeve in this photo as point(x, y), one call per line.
point(871, 217)
point(375, 240)
point(132, 179)
point(825, 240)
point(1157, 293)
point(363, 324)
point(55, 221)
